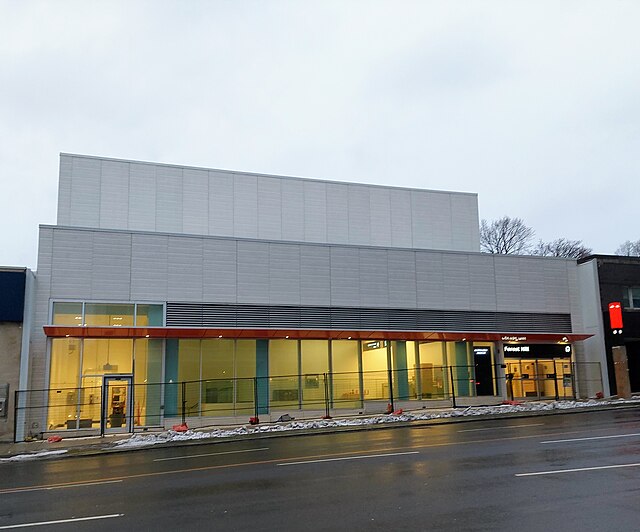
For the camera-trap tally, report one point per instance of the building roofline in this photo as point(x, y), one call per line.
point(276, 176)
point(13, 269)
point(617, 258)
point(295, 242)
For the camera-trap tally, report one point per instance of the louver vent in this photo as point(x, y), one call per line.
point(216, 315)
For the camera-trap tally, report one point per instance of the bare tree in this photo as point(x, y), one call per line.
point(629, 249)
point(505, 236)
point(570, 249)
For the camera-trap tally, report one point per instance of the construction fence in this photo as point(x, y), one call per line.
point(121, 405)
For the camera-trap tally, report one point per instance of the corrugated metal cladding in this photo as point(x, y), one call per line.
point(113, 194)
point(215, 315)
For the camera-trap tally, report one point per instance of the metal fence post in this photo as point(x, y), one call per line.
point(453, 388)
point(15, 415)
point(184, 402)
point(327, 415)
point(509, 384)
point(255, 398)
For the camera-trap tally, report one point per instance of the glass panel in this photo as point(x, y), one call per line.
point(458, 357)
point(148, 376)
point(117, 403)
point(67, 313)
point(108, 314)
point(400, 358)
point(514, 378)
point(63, 383)
point(151, 315)
point(626, 301)
point(433, 378)
point(189, 372)
point(101, 357)
point(315, 363)
point(546, 378)
point(345, 377)
point(529, 388)
point(217, 376)
point(90, 402)
point(563, 375)
point(245, 370)
point(374, 370)
point(635, 297)
point(283, 373)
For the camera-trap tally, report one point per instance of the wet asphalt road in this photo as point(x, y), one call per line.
point(463, 476)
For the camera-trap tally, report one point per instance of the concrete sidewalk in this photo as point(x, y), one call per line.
point(91, 445)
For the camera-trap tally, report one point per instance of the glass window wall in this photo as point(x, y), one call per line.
point(284, 373)
point(245, 372)
point(432, 371)
point(345, 355)
point(67, 313)
point(458, 357)
point(148, 377)
point(189, 372)
point(315, 365)
point(217, 377)
point(63, 393)
point(375, 370)
point(108, 314)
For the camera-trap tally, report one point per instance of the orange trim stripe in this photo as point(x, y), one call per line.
point(61, 331)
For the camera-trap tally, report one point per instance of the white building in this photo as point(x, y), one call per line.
point(254, 290)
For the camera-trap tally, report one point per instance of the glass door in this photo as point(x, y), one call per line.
point(116, 403)
point(546, 374)
point(564, 377)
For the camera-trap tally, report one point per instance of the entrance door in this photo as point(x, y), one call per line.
point(117, 401)
point(538, 378)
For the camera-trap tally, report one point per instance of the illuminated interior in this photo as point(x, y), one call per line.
point(225, 377)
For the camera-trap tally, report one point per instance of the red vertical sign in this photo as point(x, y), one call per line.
point(615, 315)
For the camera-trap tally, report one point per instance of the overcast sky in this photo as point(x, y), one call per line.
point(533, 105)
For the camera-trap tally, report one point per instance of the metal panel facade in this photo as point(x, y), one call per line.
point(114, 194)
point(120, 265)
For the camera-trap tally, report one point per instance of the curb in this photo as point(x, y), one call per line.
point(102, 447)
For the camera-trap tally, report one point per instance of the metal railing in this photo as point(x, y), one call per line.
point(237, 400)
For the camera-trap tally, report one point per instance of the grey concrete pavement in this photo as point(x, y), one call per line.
point(79, 446)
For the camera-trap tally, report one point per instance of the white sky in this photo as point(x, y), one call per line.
point(533, 105)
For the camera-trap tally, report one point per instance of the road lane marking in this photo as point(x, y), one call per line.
point(64, 486)
point(210, 454)
point(4, 491)
point(360, 457)
point(502, 428)
point(593, 438)
point(558, 471)
point(57, 522)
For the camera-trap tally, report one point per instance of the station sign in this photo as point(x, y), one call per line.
point(537, 350)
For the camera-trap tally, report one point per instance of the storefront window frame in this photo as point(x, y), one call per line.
point(83, 321)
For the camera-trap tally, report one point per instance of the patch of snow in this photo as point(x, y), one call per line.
point(33, 456)
point(144, 440)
